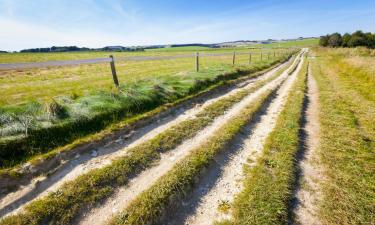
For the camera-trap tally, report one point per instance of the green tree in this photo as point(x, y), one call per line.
point(335, 40)
point(324, 40)
point(346, 39)
point(370, 40)
point(358, 39)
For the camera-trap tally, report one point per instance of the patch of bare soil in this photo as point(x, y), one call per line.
point(307, 192)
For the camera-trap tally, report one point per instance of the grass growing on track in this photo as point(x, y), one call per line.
point(150, 206)
point(62, 206)
point(294, 67)
point(347, 115)
point(268, 185)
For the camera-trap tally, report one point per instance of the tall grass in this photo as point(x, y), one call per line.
point(347, 137)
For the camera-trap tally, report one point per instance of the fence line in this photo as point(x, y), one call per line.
point(111, 60)
point(16, 66)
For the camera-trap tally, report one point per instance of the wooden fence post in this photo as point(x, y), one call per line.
point(268, 56)
point(274, 54)
point(250, 58)
point(234, 58)
point(113, 68)
point(197, 61)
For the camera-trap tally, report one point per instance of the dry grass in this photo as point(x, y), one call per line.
point(347, 136)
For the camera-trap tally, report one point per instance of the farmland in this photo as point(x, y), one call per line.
point(281, 139)
point(45, 108)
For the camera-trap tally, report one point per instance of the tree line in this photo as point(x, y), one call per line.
point(77, 49)
point(358, 38)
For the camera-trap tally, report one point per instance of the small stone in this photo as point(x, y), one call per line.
point(94, 153)
point(25, 167)
point(77, 156)
point(119, 141)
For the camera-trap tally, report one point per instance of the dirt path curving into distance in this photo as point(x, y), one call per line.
point(223, 180)
point(124, 195)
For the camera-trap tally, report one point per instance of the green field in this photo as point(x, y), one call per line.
point(177, 49)
point(288, 44)
point(310, 42)
point(21, 86)
point(72, 101)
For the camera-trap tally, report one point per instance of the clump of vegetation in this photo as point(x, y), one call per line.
point(224, 207)
point(55, 110)
point(355, 39)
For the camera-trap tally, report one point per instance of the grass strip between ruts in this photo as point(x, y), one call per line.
point(268, 186)
point(150, 206)
point(295, 65)
point(62, 206)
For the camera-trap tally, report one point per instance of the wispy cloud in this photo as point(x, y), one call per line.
point(96, 23)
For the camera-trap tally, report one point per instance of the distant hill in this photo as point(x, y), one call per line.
point(78, 49)
point(199, 46)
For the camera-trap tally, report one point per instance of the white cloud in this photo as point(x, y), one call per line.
point(18, 35)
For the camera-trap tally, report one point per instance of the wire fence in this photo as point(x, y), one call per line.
point(111, 60)
point(31, 65)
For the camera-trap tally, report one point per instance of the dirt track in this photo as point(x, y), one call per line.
point(222, 182)
point(307, 191)
point(143, 181)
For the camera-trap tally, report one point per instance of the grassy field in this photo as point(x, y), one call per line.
point(44, 108)
point(19, 87)
point(39, 57)
point(182, 48)
point(288, 44)
point(310, 42)
point(346, 84)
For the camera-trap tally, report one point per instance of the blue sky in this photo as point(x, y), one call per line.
point(97, 23)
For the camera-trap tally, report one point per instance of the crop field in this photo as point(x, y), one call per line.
point(288, 138)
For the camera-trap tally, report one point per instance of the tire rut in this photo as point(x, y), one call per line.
point(306, 193)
